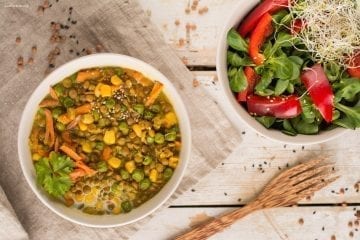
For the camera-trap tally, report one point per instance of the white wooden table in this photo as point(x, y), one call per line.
point(192, 30)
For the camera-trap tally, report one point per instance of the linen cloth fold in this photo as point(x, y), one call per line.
point(86, 26)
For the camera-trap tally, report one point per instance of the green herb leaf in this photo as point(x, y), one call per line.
point(289, 130)
point(281, 86)
point(303, 127)
point(238, 82)
point(351, 113)
point(347, 89)
point(236, 42)
point(332, 71)
point(236, 60)
point(265, 81)
point(266, 121)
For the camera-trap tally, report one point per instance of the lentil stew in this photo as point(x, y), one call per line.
point(105, 140)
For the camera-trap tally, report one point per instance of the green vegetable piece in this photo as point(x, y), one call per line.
point(238, 82)
point(277, 17)
point(124, 128)
point(290, 88)
point(289, 132)
point(352, 114)
point(288, 128)
point(102, 166)
point(124, 174)
point(168, 172)
point(59, 90)
point(336, 115)
point(144, 184)
point(236, 60)
point(148, 115)
point(159, 138)
point(147, 160)
point(170, 137)
point(332, 71)
point(150, 140)
point(281, 86)
point(99, 146)
point(103, 122)
point(67, 83)
point(347, 89)
point(60, 126)
point(266, 121)
point(96, 115)
point(138, 175)
point(126, 206)
point(265, 81)
point(56, 112)
point(68, 102)
point(119, 71)
point(265, 93)
point(139, 108)
point(110, 103)
point(236, 41)
point(73, 77)
point(155, 108)
point(303, 127)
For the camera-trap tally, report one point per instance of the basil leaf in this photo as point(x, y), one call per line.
point(238, 82)
point(265, 81)
point(281, 86)
point(235, 60)
point(266, 121)
point(236, 42)
point(298, 60)
point(282, 67)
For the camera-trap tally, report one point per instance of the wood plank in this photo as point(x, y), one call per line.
point(193, 35)
point(276, 224)
point(238, 178)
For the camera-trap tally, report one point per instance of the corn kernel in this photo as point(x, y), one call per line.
point(170, 119)
point(97, 91)
point(137, 129)
point(87, 118)
point(114, 162)
point(109, 137)
point(36, 156)
point(116, 80)
point(71, 113)
point(82, 126)
point(130, 166)
point(86, 147)
point(173, 162)
point(105, 90)
point(153, 175)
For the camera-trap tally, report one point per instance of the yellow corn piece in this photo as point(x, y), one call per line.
point(87, 118)
point(82, 126)
point(130, 166)
point(86, 147)
point(105, 90)
point(137, 129)
point(114, 162)
point(153, 175)
point(71, 113)
point(97, 91)
point(154, 94)
point(173, 162)
point(115, 80)
point(36, 156)
point(64, 119)
point(109, 137)
point(170, 119)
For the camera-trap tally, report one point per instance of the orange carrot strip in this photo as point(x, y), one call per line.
point(71, 153)
point(49, 130)
point(106, 154)
point(56, 147)
point(53, 94)
point(155, 92)
point(88, 75)
point(77, 173)
point(49, 103)
point(84, 167)
point(86, 108)
point(66, 137)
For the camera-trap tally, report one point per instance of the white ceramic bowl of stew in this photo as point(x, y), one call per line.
point(103, 60)
point(239, 13)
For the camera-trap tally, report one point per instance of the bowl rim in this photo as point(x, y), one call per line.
point(88, 62)
point(240, 11)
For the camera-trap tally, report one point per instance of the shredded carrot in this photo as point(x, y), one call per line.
point(53, 94)
point(141, 79)
point(106, 154)
point(66, 137)
point(64, 119)
point(35, 136)
point(77, 173)
point(49, 129)
point(88, 75)
point(71, 153)
point(154, 94)
point(86, 108)
point(73, 123)
point(84, 167)
point(56, 146)
point(49, 103)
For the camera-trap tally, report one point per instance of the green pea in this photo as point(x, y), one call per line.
point(148, 115)
point(56, 112)
point(102, 166)
point(168, 172)
point(147, 160)
point(68, 102)
point(170, 137)
point(41, 112)
point(123, 108)
point(99, 146)
point(155, 108)
point(96, 115)
point(159, 138)
point(138, 175)
point(60, 126)
point(139, 108)
point(110, 103)
point(67, 83)
point(124, 128)
point(150, 140)
point(124, 174)
point(126, 206)
point(59, 89)
point(119, 71)
point(103, 122)
point(145, 184)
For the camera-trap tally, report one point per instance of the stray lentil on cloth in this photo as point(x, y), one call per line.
point(87, 27)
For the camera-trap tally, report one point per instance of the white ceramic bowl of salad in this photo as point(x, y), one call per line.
point(97, 61)
point(240, 12)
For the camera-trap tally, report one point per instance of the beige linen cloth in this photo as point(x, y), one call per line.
point(119, 27)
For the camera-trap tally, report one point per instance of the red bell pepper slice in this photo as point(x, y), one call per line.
point(257, 38)
point(251, 78)
point(354, 70)
point(320, 91)
point(278, 106)
point(267, 6)
point(297, 26)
